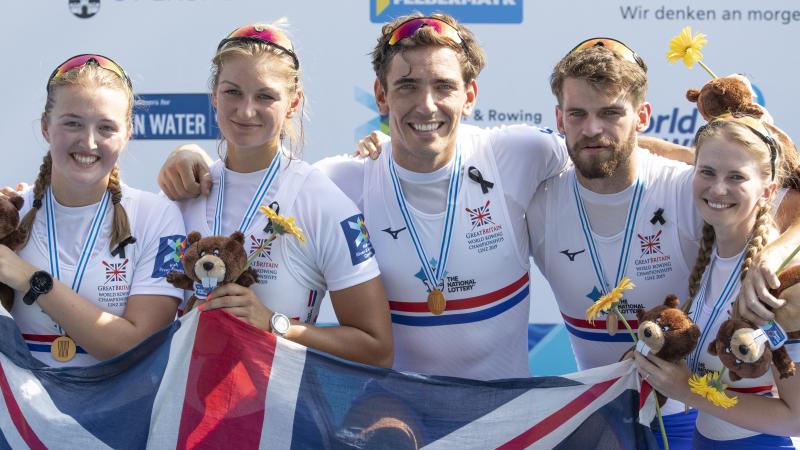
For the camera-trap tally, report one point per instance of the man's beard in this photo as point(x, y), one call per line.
point(601, 165)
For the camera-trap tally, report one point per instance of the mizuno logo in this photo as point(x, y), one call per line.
point(571, 255)
point(394, 233)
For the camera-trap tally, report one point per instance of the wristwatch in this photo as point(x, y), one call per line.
point(41, 283)
point(280, 324)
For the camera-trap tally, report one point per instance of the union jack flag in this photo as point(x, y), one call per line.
point(480, 216)
point(211, 380)
point(261, 246)
point(116, 271)
point(651, 244)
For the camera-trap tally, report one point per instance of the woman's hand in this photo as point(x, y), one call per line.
point(670, 379)
point(15, 271)
point(240, 301)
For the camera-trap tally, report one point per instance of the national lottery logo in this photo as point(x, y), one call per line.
point(116, 272)
point(84, 9)
point(424, 278)
point(466, 11)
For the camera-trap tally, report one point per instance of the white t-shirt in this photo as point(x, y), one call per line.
point(482, 334)
point(293, 276)
point(525, 156)
point(109, 280)
point(708, 311)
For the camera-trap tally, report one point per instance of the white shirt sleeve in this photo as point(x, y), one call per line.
point(536, 216)
point(526, 156)
point(159, 232)
point(338, 253)
point(347, 173)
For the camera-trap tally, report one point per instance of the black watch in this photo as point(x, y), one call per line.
point(41, 283)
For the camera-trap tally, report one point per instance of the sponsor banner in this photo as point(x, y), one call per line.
point(466, 11)
point(174, 116)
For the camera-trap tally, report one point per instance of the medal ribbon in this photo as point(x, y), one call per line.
point(255, 202)
point(727, 291)
point(88, 245)
point(630, 225)
point(434, 276)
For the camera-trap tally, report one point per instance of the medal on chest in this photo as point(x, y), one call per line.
point(63, 348)
point(434, 271)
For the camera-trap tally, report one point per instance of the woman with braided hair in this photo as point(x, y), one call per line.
point(90, 277)
point(738, 170)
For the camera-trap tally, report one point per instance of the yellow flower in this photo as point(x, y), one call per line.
point(710, 387)
point(607, 301)
point(686, 47)
point(283, 225)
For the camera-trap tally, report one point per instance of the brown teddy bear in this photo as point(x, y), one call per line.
point(10, 236)
point(668, 332)
point(730, 95)
point(745, 354)
point(210, 262)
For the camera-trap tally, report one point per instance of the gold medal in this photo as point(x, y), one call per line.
point(436, 302)
point(63, 349)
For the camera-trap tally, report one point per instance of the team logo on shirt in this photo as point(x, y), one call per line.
point(480, 216)
point(262, 246)
point(116, 272)
point(652, 264)
point(486, 234)
point(168, 258)
point(357, 237)
point(113, 293)
point(651, 244)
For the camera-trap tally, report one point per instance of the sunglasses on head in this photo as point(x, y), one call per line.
point(410, 26)
point(755, 126)
point(268, 35)
point(615, 46)
point(82, 60)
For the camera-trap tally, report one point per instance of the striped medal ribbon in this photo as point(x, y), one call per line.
point(434, 269)
point(255, 202)
point(719, 306)
point(63, 347)
point(630, 226)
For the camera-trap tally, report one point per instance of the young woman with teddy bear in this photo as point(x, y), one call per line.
point(738, 168)
point(259, 185)
point(89, 280)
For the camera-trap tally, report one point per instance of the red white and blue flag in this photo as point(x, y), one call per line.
point(212, 381)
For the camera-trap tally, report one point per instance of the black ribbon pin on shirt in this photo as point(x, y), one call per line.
point(658, 216)
point(120, 250)
point(475, 175)
point(277, 208)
